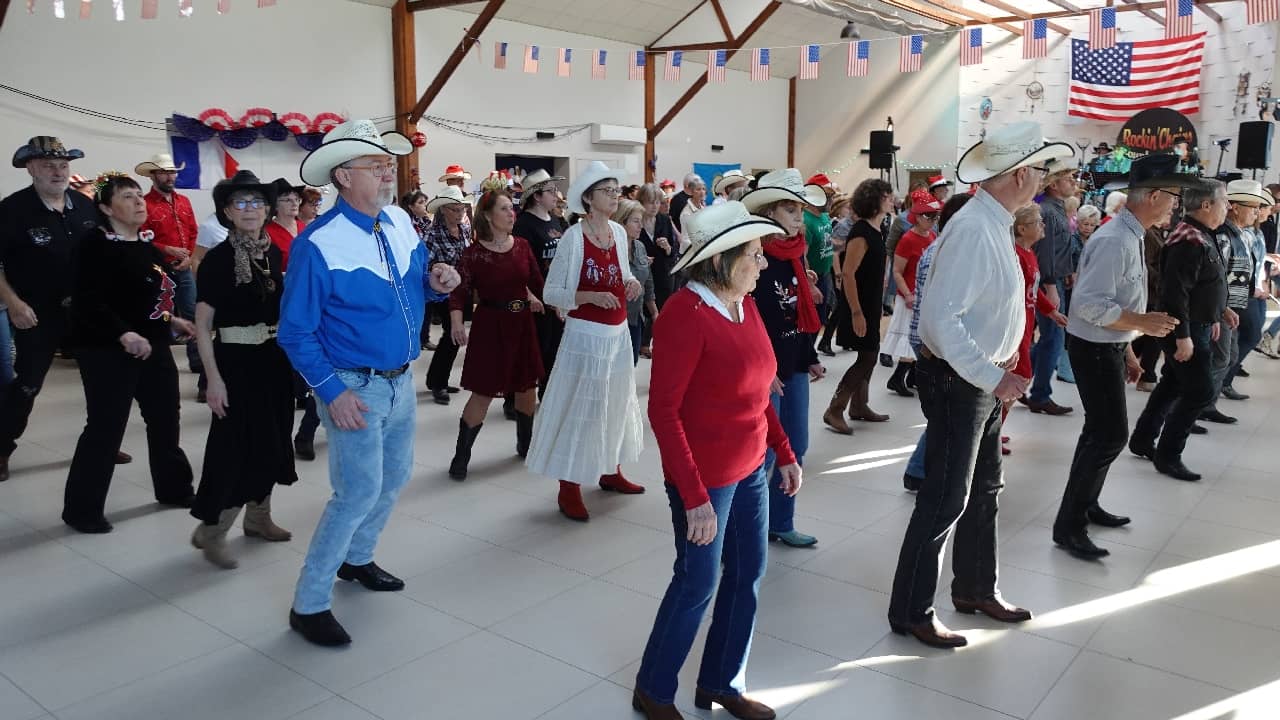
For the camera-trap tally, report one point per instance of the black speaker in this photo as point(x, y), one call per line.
point(1253, 152)
point(881, 141)
point(881, 161)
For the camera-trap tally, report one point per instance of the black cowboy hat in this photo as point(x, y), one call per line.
point(284, 187)
point(1101, 148)
point(242, 180)
point(44, 146)
point(1158, 170)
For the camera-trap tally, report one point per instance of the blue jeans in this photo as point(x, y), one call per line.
point(636, 329)
point(367, 469)
point(185, 300)
point(6, 349)
point(793, 411)
point(1044, 358)
point(1248, 334)
point(740, 548)
point(915, 465)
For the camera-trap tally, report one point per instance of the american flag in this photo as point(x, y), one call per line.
point(1262, 11)
point(635, 65)
point(675, 58)
point(1177, 19)
point(1102, 28)
point(810, 56)
point(531, 58)
point(598, 64)
point(759, 64)
point(150, 9)
point(910, 50)
point(859, 58)
point(1035, 38)
point(499, 56)
point(715, 65)
point(1114, 84)
point(971, 47)
point(564, 64)
point(86, 9)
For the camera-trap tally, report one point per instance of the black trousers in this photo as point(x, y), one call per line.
point(310, 418)
point(1148, 350)
point(1100, 376)
point(963, 479)
point(550, 330)
point(34, 352)
point(1184, 391)
point(112, 381)
point(442, 359)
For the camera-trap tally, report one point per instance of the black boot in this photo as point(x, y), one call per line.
point(897, 382)
point(910, 379)
point(524, 433)
point(304, 447)
point(462, 456)
point(509, 407)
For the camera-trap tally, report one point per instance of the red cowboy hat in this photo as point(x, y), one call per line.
point(455, 171)
point(819, 179)
point(922, 207)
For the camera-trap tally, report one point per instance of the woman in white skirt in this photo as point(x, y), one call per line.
point(897, 340)
point(589, 422)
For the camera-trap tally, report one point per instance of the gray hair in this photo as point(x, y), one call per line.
point(1115, 199)
point(693, 180)
point(1138, 195)
point(1089, 213)
point(717, 278)
point(333, 175)
point(1208, 191)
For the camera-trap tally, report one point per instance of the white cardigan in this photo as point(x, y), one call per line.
point(561, 287)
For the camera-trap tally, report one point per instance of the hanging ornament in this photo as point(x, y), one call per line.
point(985, 108)
point(238, 138)
point(192, 128)
point(296, 122)
point(217, 118)
point(325, 121)
point(419, 139)
point(275, 130)
point(256, 117)
point(309, 141)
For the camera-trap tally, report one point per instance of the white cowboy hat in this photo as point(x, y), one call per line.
point(783, 185)
point(595, 172)
point(162, 162)
point(720, 227)
point(729, 177)
point(454, 172)
point(1248, 191)
point(448, 195)
point(538, 177)
point(348, 141)
point(1006, 149)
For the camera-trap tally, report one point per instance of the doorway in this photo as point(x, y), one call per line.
point(520, 165)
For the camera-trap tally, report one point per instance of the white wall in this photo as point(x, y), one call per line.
point(836, 113)
point(149, 69)
point(1230, 49)
point(749, 120)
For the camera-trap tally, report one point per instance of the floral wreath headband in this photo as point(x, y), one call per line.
point(102, 180)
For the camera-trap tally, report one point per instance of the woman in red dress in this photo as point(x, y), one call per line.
point(503, 358)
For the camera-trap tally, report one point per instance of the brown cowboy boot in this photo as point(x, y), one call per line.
point(834, 416)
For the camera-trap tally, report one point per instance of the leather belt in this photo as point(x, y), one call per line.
point(514, 306)
point(246, 334)
point(388, 374)
point(926, 353)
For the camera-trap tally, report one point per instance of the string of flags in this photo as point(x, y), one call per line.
point(150, 9)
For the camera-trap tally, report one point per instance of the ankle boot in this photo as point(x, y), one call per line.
point(570, 501)
point(897, 382)
point(462, 455)
point(859, 410)
point(524, 433)
point(910, 379)
point(834, 416)
point(258, 522)
point(212, 539)
point(615, 482)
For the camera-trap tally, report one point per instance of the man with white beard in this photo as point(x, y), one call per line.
point(350, 322)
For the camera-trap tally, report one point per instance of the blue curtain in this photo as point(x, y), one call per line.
point(709, 171)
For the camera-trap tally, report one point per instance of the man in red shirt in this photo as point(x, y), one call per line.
point(170, 217)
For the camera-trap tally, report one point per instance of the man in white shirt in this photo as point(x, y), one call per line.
point(971, 323)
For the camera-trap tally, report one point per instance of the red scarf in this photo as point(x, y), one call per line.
point(793, 249)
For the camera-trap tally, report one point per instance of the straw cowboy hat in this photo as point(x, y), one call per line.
point(44, 147)
point(530, 183)
point(595, 172)
point(724, 226)
point(729, 177)
point(783, 185)
point(1248, 191)
point(454, 172)
point(448, 195)
point(242, 180)
point(1008, 148)
point(1158, 171)
point(346, 142)
point(162, 162)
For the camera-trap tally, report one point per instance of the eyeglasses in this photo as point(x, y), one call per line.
point(610, 191)
point(314, 203)
point(254, 204)
point(290, 200)
point(1167, 192)
point(758, 257)
point(929, 216)
point(378, 169)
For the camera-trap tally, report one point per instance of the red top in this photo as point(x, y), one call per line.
point(174, 223)
point(282, 239)
point(1035, 300)
point(601, 273)
point(911, 246)
point(709, 399)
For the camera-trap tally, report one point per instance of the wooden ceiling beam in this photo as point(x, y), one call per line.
point(677, 24)
point(4, 10)
point(724, 21)
point(1130, 6)
point(1209, 13)
point(928, 10)
point(451, 64)
point(978, 17)
point(1019, 12)
point(420, 5)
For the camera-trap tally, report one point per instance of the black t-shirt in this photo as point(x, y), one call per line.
point(776, 296)
point(38, 246)
point(543, 237)
point(235, 305)
point(120, 286)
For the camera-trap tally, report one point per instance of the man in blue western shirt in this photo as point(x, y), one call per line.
point(359, 280)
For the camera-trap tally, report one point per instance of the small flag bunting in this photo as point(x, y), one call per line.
point(1102, 28)
point(1262, 11)
point(810, 57)
point(531, 59)
point(971, 47)
point(150, 9)
point(675, 58)
point(564, 63)
point(1035, 38)
point(910, 53)
point(716, 60)
point(86, 9)
point(636, 61)
point(598, 66)
point(859, 58)
point(759, 64)
point(499, 56)
point(1177, 19)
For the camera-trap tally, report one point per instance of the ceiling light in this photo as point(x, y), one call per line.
point(850, 32)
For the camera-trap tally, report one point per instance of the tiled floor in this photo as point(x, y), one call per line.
point(512, 612)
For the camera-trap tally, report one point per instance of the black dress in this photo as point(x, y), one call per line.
point(250, 450)
point(870, 278)
point(663, 283)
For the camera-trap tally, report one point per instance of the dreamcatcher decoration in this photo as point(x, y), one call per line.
point(1035, 93)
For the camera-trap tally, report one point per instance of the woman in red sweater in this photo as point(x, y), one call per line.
point(1028, 229)
point(709, 408)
